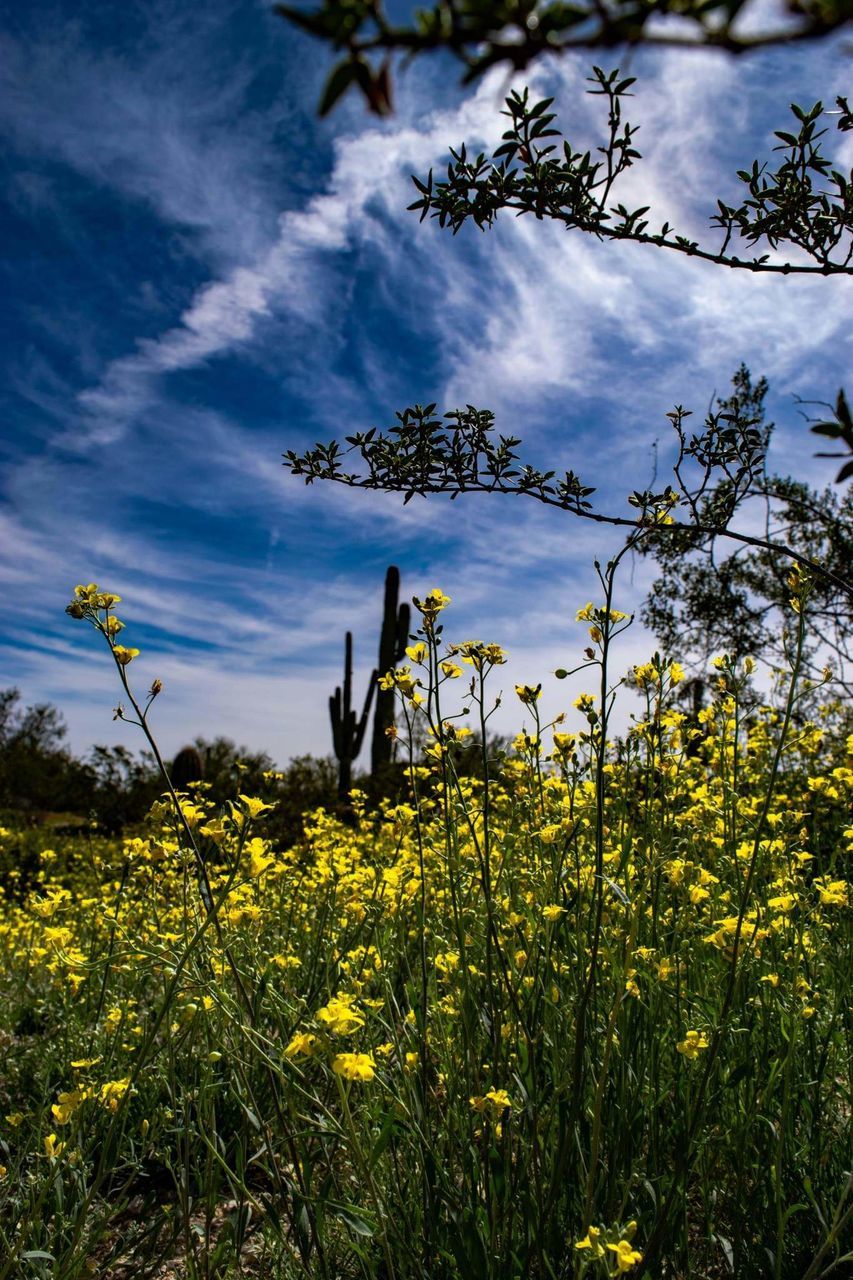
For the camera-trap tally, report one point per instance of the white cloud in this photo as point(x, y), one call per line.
point(532, 312)
point(161, 124)
point(581, 347)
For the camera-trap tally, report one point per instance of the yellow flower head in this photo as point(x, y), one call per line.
point(403, 680)
point(52, 1148)
point(627, 1256)
point(493, 1103)
point(301, 1046)
point(124, 655)
point(692, 1045)
point(111, 1093)
point(432, 606)
point(354, 1066)
point(591, 1242)
point(67, 1103)
point(482, 656)
point(255, 807)
point(259, 857)
point(833, 893)
point(339, 1017)
point(597, 614)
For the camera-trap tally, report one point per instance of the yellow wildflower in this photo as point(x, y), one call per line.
point(301, 1046)
point(481, 656)
point(111, 1093)
point(692, 1045)
point(255, 807)
point(354, 1066)
point(493, 1103)
point(591, 1242)
point(67, 1103)
point(833, 893)
point(124, 655)
point(339, 1017)
point(432, 605)
point(259, 859)
point(626, 1255)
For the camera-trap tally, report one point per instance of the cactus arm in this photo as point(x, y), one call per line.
point(365, 715)
point(392, 647)
point(335, 717)
point(348, 729)
point(403, 627)
point(348, 675)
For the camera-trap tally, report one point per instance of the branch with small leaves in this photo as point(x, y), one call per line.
point(485, 33)
point(459, 453)
point(805, 204)
point(839, 428)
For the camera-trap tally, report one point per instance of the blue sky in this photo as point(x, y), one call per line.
point(199, 274)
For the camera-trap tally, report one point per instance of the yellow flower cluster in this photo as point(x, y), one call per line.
point(446, 950)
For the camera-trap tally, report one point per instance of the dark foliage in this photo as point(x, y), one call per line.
point(802, 204)
point(484, 33)
point(710, 598)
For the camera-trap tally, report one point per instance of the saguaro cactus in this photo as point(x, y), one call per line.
point(392, 646)
point(187, 767)
point(347, 729)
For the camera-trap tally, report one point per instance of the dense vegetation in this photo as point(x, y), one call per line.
point(587, 1014)
point(43, 784)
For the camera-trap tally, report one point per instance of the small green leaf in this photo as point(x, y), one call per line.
point(342, 76)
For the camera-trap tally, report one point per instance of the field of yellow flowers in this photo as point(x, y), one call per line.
point(585, 1015)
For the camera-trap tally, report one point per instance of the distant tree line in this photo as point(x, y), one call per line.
point(111, 788)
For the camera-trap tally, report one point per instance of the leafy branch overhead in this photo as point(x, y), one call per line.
point(717, 469)
point(840, 429)
point(709, 598)
point(486, 33)
point(804, 204)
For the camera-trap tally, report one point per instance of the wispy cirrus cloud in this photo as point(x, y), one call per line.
point(302, 300)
